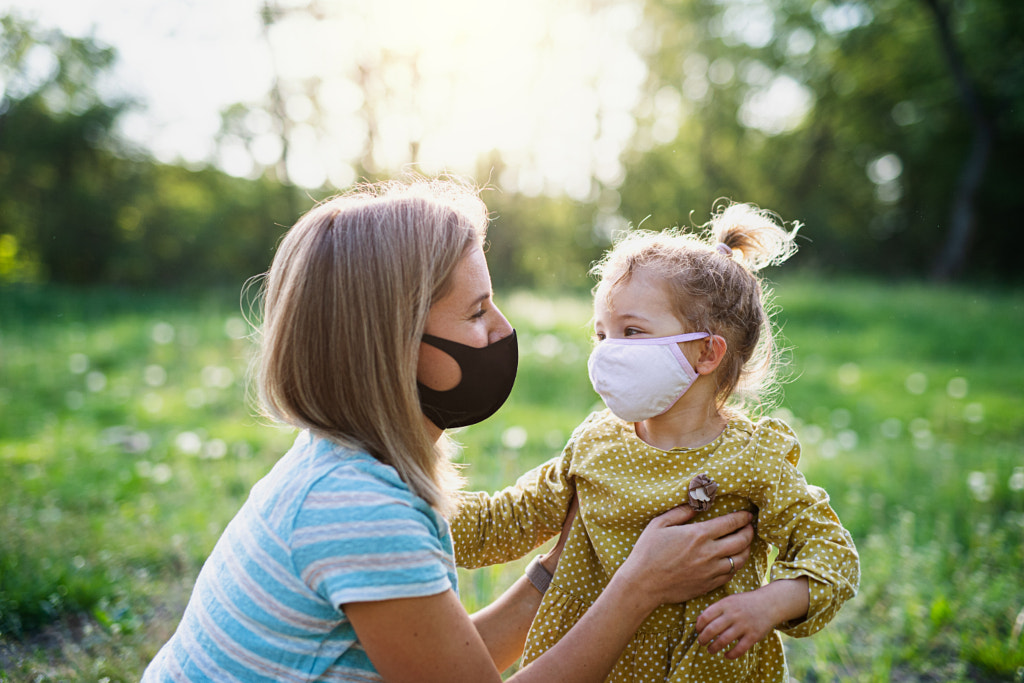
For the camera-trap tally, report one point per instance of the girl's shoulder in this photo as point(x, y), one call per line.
point(767, 435)
point(598, 424)
point(603, 430)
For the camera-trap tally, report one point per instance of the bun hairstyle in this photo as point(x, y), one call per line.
point(344, 306)
point(756, 236)
point(712, 282)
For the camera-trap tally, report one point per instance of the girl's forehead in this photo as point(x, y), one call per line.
point(639, 293)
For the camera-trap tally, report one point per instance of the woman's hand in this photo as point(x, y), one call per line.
point(674, 561)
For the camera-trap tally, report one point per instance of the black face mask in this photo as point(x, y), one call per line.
point(488, 374)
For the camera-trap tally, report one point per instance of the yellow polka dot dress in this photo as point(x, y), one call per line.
point(622, 483)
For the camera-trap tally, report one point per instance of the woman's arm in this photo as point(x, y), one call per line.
point(433, 639)
point(504, 623)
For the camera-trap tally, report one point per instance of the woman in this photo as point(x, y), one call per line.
point(379, 332)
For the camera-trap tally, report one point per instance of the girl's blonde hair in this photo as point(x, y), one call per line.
point(345, 303)
point(716, 289)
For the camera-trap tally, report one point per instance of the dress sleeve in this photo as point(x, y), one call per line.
point(369, 545)
point(504, 526)
point(796, 517)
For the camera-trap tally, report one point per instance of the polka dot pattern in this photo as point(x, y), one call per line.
point(623, 482)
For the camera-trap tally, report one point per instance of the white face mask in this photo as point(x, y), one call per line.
point(641, 378)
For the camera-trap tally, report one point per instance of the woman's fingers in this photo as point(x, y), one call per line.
point(674, 517)
point(736, 546)
point(723, 526)
point(570, 516)
point(682, 561)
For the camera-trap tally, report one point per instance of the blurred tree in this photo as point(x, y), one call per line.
point(327, 115)
point(857, 118)
point(56, 174)
point(78, 207)
point(188, 229)
point(539, 242)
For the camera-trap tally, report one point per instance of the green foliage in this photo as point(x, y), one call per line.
point(880, 85)
point(78, 206)
point(116, 409)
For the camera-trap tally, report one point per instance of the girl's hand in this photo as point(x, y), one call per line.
point(741, 619)
point(674, 561)
point(745, 618)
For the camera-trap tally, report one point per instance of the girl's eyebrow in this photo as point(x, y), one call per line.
point(632, 317)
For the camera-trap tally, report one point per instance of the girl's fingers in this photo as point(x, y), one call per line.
point(740, 648)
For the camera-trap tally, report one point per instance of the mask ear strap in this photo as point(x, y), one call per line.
point(658, 341)
point(446, 345)
point(678, 354)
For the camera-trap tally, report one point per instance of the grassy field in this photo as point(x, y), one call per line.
point(126, 444)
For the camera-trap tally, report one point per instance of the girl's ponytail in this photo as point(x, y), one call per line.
point(756, 237)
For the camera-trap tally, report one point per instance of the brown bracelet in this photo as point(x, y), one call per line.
point(538, 575)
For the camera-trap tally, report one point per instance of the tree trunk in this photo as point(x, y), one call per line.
point(953, 257)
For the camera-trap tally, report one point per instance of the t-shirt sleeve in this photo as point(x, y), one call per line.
point(368, 544)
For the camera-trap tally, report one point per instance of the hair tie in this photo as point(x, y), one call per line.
point(724, 249)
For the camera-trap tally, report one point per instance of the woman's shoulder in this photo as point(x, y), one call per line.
point(321, 475)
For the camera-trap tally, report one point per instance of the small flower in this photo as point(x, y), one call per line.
point(702, 490)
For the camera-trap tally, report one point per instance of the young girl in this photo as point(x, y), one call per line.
point(683, 345)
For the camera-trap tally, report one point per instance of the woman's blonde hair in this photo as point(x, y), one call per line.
point(712, 283)
point(345, 303)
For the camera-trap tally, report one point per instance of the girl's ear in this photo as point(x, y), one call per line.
point(711, 355)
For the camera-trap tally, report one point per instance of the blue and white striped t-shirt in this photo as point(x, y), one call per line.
point(325, 527)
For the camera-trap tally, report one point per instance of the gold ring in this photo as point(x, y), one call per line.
point(732, 565)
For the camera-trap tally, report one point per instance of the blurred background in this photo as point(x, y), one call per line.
point(153, 153)
point(166, 144)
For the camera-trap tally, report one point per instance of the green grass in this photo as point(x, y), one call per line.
point(126, 444)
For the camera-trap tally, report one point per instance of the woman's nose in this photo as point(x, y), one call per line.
point(500, 329)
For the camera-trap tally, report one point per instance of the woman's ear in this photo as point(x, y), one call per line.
point(711, 355)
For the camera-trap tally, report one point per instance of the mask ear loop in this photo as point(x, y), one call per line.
point(673, 347)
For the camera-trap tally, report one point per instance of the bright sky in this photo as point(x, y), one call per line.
point(552, 85)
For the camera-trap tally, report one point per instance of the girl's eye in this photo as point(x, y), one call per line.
point(599, 336)
point(630, 331)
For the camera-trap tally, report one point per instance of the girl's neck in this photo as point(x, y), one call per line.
point(683, 426)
